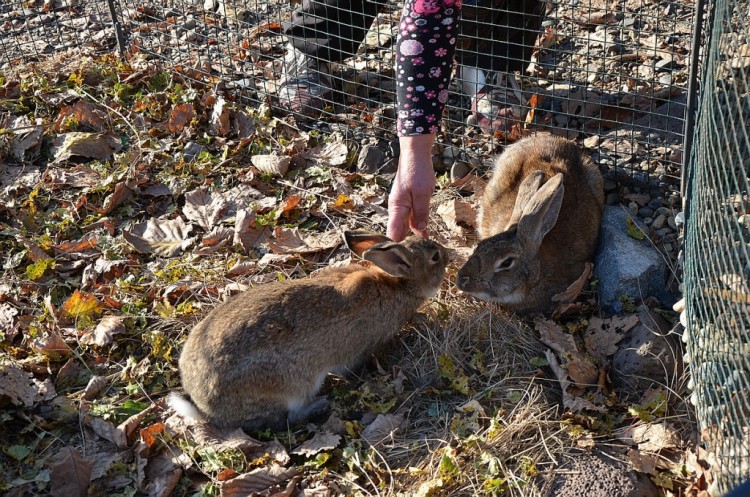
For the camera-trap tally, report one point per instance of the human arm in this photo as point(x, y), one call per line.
point(424, 60)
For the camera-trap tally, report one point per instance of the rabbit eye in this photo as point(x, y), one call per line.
point(436, 257)
point(504, 264)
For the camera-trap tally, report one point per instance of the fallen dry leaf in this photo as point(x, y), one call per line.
point(271, 164)
point(123, 191)
point(643, 463)
point(26, 135)
point(81, 304)
point(89, 145)
point(318, 443)
point(602, 335)
point(247, 234)
point(383, 427)
point(331, 154)
point(289, 241)
point(257, 481)
point(218, 124)
point(180, 117)
point(652, 437)
point(19, 386)
point(570, 402)
point(213, 241)
point(52, 343)
point(70, 475)
point(94, 387)
point(204, 208)
point(164, 237)
point(87, 115)
point(457, 214)
point(79, 176)
point(575, 288)
point(105, 331)
point(553, 335)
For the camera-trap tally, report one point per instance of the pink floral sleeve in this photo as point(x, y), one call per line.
point(424, 60)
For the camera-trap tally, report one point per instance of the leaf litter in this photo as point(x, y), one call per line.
point(157, 201)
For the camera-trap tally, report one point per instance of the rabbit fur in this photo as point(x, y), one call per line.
point(258, 360)
point(538, 223)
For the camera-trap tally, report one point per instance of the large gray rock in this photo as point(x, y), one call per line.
point(625, 266)
point(649, 355)
point(594, 475)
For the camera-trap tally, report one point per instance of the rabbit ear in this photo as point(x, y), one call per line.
point(529, 186)
point(391, 257)
point(360, 241)
point(540, 213)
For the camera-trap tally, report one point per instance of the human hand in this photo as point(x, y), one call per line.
point(409, 200)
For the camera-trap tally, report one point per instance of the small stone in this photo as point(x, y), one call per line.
point(665, 65)
point(633, 206)
point(663, 211)
point(671, 222)
point(370, 158)
point(645, 212)
point(659, 222)
point(612, 198)
point(655, 204)
point(459, 170)
point(648, 221)
point(451, 152)
point(665, 79)
point(661, 233)
point(610, 185)
point(668, 247)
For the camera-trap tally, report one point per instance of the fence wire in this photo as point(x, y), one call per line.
point(717, 250)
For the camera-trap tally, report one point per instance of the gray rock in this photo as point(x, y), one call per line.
point(647, 356)
point(459, 170)
point(625, 266)
point(659, 221)
point(191, 150)
point(370, 159)
point(596, 475)
point(645, 211)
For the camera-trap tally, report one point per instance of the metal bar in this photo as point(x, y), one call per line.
point(690, 108)
point(118, 27)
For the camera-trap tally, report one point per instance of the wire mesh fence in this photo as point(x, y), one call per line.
point(717, 252)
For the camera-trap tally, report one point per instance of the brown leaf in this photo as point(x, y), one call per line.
point(150, 433)
point(602, 335)
point(94, 387)
point(271, 164)
point(52, 344)
point(89, 145)
point(289, 205)
point(204, 208)
point(582, 371)
point(162, 474)
point(552, 335)
point(105, 331)
point(570, 402)
point(218, 124)
point(180, 117)
point(643, 463)
point(289, 241)
point(383, 427)
point(106, 430)
point(247, 233)
point(331, 154)
point(257, 481)
point(457, 214)
point(79, 176)
point(213, 241)
point(318, 443)
point(575, 288)
point(86, 114)
point(652, 437)
point(164, 237)
point(70, 475)
point(35, 253)
point(123, 191)
point(26, 135)
point(85, 244)
point(19, 386)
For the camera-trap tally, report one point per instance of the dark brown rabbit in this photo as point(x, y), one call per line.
point(539, 224)
point(258, 360)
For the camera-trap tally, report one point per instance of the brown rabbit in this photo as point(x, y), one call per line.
point(539, 224)
point(258, 360)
